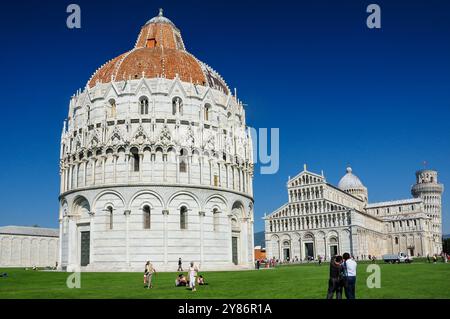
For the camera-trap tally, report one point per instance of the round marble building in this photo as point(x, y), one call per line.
point(156, 164)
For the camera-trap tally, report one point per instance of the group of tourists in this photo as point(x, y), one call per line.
point(181, 280)
point(342, 277)
point(444, 257)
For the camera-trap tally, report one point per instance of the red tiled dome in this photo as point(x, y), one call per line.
point(159, 52)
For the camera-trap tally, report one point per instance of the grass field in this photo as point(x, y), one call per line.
point(417, 280)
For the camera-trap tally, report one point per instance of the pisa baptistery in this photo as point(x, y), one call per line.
point(156, 164)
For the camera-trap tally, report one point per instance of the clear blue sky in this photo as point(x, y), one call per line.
point(339, 92)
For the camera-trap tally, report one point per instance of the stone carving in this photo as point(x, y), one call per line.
point(94, 139)
point(140, 137)
point(189, 139)
point(116, 137)
point(165, 138)
point(210, 143)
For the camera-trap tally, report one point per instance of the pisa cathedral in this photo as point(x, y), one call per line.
point(323, 220)
point(156, 164)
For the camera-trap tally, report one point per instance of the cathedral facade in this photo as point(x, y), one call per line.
point(323, 220)
point(156, 164)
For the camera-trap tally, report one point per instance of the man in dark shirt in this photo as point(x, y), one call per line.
point(335, 283)
point(180, 265)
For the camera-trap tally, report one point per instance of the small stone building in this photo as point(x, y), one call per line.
point(28, 246)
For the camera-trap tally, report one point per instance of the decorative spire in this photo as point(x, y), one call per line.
point(161, 12)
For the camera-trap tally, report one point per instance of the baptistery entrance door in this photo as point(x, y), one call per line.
point(85, 247)
point(234, 250)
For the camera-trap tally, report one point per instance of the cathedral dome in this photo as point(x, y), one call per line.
point(350, 181)
point(352, 185)
point(159, 52)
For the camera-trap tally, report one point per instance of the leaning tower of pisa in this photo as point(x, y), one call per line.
point(428, 188)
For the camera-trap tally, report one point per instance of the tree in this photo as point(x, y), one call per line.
point(446, 245)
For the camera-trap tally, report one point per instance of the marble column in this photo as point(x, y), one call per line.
point(85, 173)
point(165, 234)
point(202, 218)
point(127, 244)
point(91, 237)
point(141, 166)
point(230, 232)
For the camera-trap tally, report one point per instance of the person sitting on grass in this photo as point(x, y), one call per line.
point(181, 281)
point(201, 281)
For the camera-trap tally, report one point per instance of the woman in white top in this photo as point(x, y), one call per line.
point(149, 271)
point(192, 273)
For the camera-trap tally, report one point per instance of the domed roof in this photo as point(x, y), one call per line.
point(350, 181)
point(160, 18)
point(159, 52)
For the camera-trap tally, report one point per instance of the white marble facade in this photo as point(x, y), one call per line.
point(321, 219)
point(28, 246)
point(156, 168)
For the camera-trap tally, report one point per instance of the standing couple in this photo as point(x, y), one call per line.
point(342, 277)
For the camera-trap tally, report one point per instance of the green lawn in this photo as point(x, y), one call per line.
point(417, 280)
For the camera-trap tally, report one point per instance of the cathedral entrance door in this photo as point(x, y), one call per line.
point(333, 250)
point(85, 247)
point(309, 250)
point(286, 254)
point(234, 249)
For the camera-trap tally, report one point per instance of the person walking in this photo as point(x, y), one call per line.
point(192, 272)
point(180, 264)
point(349, 276)
point(149, 271)
point(335, 282)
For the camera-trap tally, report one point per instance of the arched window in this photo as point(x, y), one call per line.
point(183, 217)
point(206, 111)
point(216, 217)
point(109, 211)
point(183, 166)
point(396, 240)
point(147, 217)
point(143, 102)
point(135, 153)
point(177, 106)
